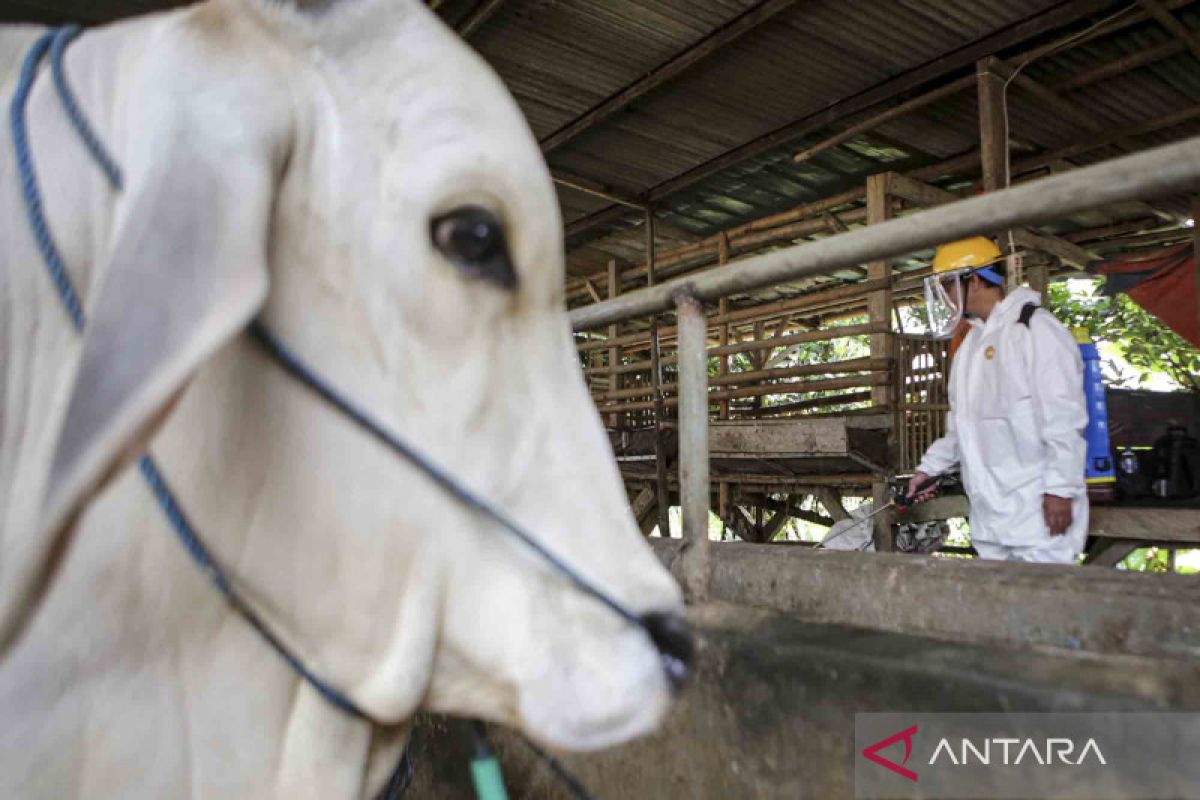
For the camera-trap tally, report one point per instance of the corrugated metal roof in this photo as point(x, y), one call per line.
point(561, 58)
point(796, 64)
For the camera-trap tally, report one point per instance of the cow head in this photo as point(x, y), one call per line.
point(360, 180)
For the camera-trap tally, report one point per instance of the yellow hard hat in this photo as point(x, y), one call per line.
point(972, 253)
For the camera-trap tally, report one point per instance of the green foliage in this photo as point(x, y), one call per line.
point(1134, 345)
point(1147, 559)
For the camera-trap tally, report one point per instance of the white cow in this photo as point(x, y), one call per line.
point(289, 163)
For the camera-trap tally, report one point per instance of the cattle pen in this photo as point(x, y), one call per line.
point(751, 195)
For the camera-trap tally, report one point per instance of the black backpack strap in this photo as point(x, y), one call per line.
point(1027, 313)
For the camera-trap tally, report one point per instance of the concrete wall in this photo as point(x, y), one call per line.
point(795, 642)
point(1093, 609)
point(771, 711)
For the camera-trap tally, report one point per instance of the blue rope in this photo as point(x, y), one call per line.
point(295, 366)
point(108, 165)
point(29, 185)
point(55, 42)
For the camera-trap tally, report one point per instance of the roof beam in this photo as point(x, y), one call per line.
point(1122, 65)
point(589, 186)
point(665, 72)
point(478, 15)
point(965, 57)
point(604, 215)
point(906, 107)
point(1173, 26)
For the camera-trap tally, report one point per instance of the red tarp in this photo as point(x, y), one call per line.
point(1162, 282)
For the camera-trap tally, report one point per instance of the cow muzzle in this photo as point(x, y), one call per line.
point(672, 637)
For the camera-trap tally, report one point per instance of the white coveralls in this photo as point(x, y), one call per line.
point(1016, 425)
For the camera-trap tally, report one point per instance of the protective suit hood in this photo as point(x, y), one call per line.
point(1009, 309)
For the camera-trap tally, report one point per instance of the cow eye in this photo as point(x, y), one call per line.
point(472, 238)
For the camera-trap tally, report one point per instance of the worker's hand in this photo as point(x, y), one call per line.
point(1058, 513)
point(927, 493)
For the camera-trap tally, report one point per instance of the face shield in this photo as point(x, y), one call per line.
point(945, 298)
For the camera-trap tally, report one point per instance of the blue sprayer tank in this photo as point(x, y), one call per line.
point(1101, 477)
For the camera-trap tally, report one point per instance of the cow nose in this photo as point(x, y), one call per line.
point(673, 637)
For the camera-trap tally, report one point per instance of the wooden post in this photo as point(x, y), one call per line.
point(614, 353)
point(723, 364)
point(1196, 250)
point(723, 330)
point(660, 432)
point(879, 302)
point(693, 441)
point(879, 310)
point(758, 358)
point(993, 131)
point(993, 148)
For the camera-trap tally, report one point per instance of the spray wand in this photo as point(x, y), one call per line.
point(902, 504)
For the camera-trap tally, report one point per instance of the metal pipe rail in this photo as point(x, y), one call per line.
point(1173, 169)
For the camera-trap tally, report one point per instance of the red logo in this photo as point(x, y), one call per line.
point(872, 753)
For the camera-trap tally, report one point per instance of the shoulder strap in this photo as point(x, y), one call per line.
point(1027, 311)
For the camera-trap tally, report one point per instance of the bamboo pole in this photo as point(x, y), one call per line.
point(759, 313)
point(821, 335)
point(864, 364)
point(709, 246)
point(795, 387)
point(808, 405)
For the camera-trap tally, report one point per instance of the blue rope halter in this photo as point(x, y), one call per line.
point(55, 42)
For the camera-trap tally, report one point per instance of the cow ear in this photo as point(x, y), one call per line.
point(186, 273)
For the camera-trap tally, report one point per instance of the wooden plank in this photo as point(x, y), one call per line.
point(592, 291)
point(1146, 524)
point(1143, 524)
point(710, 44)
point(1110, 552)
point(643, 503)
point(778, 438)
point(831, 500)
point(1065, 251)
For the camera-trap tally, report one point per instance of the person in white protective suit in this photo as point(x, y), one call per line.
point(1017, 411)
